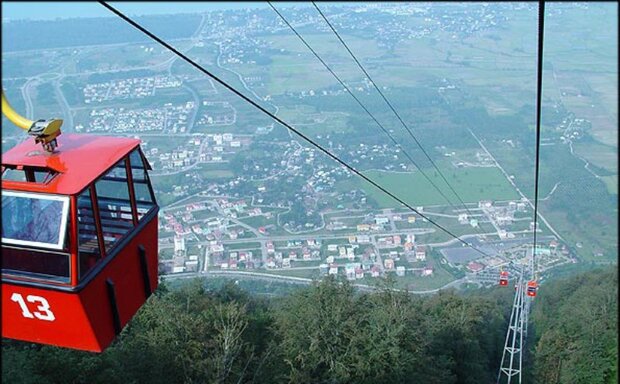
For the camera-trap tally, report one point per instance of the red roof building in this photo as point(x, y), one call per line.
point(475, 267)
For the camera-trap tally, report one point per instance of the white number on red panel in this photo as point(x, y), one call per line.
point(43, 311)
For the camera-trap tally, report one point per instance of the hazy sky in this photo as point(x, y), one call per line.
point(14, 10)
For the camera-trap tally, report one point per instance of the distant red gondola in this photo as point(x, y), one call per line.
point(503, 278)
point(79, 240)
point(532, 287)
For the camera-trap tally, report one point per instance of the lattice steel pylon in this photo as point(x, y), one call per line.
point(512, 357)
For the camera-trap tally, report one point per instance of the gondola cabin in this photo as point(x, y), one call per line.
point(532, 287)
point(503, 278)
point(79, 240)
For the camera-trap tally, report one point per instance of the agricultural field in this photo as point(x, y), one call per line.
point(312, 122)
point(602, 156)
point(612, 184)
point(296, 67)
point(439, 278)
point(579, 198)
point(473, 185)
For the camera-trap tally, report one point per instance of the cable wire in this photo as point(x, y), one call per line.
point(394, 141)
point(402, 122)
point(379, 124)
point(282, 122)
point(539, 79)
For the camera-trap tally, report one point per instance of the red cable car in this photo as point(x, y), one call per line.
point(532, 287)
point(79, 240)
point(503, 278)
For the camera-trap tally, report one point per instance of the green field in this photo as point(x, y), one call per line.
point(457, 229)
point(582, 208)
point(472, 185)
point(307, 119)
point(603, 156)
point(204, 214)
point(439, 278)
point(308, 263)
point(327, 46)
point(294, 74)
point(412, 282)
point(221, 174)
point(585, 67)
point(258, 221)
point(612, 184)
point(297, 69)
point(166, 254)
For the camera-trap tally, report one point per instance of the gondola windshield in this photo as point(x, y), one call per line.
point(34, 219)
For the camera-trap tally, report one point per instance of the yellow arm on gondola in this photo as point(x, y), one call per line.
point(15, 117)
point(44, 131)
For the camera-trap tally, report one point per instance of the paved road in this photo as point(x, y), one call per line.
point(66, 109)
point(417, 231)
point(515, 186)
point(197, 102)
point(297, 280)
point(29, 113)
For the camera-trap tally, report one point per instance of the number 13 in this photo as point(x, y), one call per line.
point(43, 310)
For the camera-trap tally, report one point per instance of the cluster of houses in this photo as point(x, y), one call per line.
point(212, 116)
point(485, 270)
point(238, 260)
point(120, 120)
point(212, 148)
point(345, 258)
point(297, 251)
point(132, 88)
point(180, 262)
point(500, 216)
point(357, 258)
point(359, 270)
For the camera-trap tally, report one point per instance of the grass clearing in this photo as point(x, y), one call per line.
point(313, 122)
point(603, 156)
point(611, 182)
point(293, 73)
point(296, 69)
point(592, 96)
point(258, 221)
point(220, 174)
point(439, 278)
point(472, 184)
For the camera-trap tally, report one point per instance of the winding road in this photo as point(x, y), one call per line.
point(524, 198)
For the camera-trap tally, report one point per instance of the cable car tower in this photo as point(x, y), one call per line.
point(512, 357)
point(79, 236)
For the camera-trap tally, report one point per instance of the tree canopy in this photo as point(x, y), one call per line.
point(329, 333)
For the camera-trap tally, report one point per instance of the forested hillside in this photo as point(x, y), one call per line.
point(576, 329)
point(329, 333)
